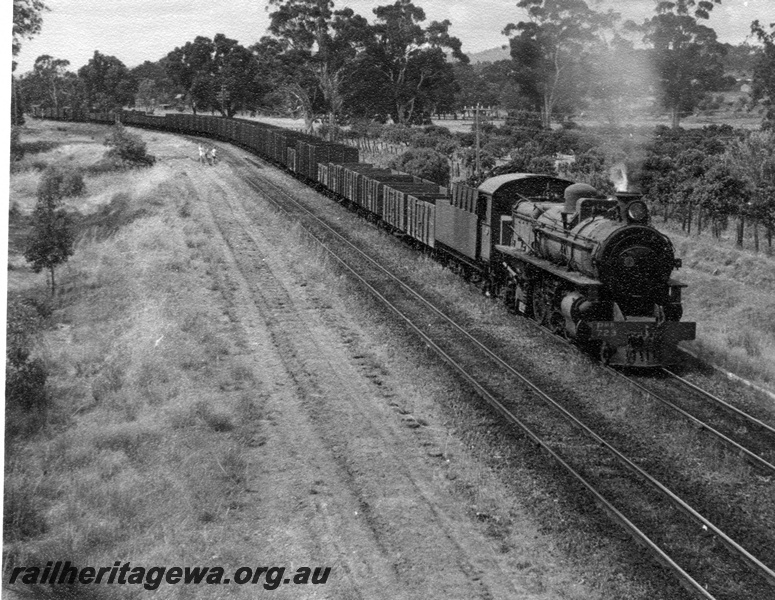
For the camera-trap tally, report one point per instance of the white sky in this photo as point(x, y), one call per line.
point(139, 30)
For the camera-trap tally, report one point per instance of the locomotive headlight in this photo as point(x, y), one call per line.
point(637, 211)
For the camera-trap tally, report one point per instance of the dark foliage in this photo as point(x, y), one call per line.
point(128, 149)
point(17, 148)
point(25, 375)
point(425, 163)
point(52, 238)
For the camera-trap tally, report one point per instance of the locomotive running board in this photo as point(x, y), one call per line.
point(575, 278)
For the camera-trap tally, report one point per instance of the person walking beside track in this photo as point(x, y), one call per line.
point(212, 156)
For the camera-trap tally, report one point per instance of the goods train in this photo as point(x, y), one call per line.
point(587, 267)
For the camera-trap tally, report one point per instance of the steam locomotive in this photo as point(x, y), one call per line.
point(587, 267)
point(595, 270)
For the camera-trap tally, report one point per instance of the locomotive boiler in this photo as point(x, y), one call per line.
point(594, 269)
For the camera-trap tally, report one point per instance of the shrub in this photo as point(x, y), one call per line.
point(17, 150)
point(425, 163)
point(73, 184)
point(106, 221)
point(128, 148)
point(38, 146)
point(366, 128)
point(331, 133)
point(61, 182)
point(437, 138)
point(397, 134)
point(25, 377)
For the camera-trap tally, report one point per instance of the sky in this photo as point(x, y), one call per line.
point(138, 30)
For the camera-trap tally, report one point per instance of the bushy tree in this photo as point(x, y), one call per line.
point(49, 84)
point(147, 95)
point(127, 149)
point(721, 193)
point(687, 57)
point(764, 73)
point(107, 83)
point(321, 44)
point(474, 88)
point(27, 21)
point(754, 157)
point(590, 167)
point(25, 375)
point(404, 71)
point(154, 86)
point(549, 52)
point(218, 74)
point(236, 77)
point(425, 163)
point(52, 239)
point(17, 150)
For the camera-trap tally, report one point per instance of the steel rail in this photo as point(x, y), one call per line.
point(723, 403)
point(753, 458)
point(765, 571)
point(741, 450)
point(639, 536)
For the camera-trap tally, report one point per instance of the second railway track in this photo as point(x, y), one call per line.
point(751, 438)
point(697, 551)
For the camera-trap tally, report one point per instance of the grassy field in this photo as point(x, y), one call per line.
point(730, 296)
point(153, 406)
point(150, 407)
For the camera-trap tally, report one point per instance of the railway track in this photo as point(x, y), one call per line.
point(743, 434)
point(698, 552)
point(750, 438)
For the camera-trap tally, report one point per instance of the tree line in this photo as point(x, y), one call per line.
point(333, 64)
point(320, 62)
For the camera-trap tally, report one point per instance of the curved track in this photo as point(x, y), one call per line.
point(653, 515)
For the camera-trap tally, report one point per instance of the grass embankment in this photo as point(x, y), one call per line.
point(150, 407)
point(731, 296)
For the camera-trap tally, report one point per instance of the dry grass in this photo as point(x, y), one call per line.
point(730, 296)
point(143, 456)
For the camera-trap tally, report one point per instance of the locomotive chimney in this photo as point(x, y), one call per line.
point(627, 196)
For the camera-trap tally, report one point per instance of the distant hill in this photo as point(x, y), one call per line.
point(491, 55)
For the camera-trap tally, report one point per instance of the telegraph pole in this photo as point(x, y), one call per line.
point(478, 151)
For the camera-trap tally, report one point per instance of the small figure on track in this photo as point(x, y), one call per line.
point(212, 156)
point(202, 154)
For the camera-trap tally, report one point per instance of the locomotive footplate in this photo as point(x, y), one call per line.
point(639, 343)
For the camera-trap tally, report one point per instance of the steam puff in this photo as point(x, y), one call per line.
point(618, 175)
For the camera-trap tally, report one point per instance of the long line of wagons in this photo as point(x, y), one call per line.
point(589, 267)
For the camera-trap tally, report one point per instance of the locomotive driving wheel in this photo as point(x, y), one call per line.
point(557, 324)
point(542, 302)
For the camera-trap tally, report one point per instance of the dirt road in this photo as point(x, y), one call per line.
point(355, 468)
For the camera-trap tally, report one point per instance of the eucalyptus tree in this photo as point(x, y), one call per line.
point(107, 83)
point(404, 68)
point(49, 84)
point(189, 67)
point(687, 56)
point(27, 21)
point(316, 43)
point(550, 51)
point(215, 74)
